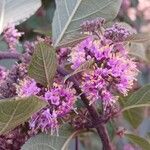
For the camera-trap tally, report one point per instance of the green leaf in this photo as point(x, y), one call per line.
point(72, 39)
point(140, 98)
point(14, 11)
point(16, 111)
point(139, 37)
point(133, 116)
point(70, 14)
point(50, 142)
point(45, 32)
point(43, 65)
point(90, 141)
point(141, 142)
point(83, 67)
point(138, 50)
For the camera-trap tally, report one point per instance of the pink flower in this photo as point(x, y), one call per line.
point(113, 72)
point(44, 121)
point(27, 87)
point(11, 36)
point(62, 98)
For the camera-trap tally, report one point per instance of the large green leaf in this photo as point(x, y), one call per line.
point(141, 142)
point(50, 142)
point(43, 65)
point(72, 39)
point(133, 116)
point(140, 98)
point(138, 50)
point(14, 11)
point(70, 14)
point(139, 37)
point(16, 111)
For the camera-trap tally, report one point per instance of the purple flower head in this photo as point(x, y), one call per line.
point(11, 36)
point(78, 54)
point(62, 98)
point(14, 139)
point(44, 121)
point(93, 25)
point(8, 85)
point(3, 74)
point(53, 97)
point(116, 33)
point(113, 72)
point(27, 87)
point(62, 54)
point(29, 47)
point(47, 40)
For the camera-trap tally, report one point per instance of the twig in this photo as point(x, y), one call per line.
point(10, 55)
point(76, 143)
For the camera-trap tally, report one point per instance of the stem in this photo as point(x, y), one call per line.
point(101, 128)
point(76, 143)
point(9, 55)
point(103, 134)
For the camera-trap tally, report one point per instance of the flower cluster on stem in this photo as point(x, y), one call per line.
point(112, 73)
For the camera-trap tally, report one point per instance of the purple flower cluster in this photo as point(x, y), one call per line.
point(29, 47)
point(11, 36)
point(62, 54)
point(14, 139)
point(61, 101)
point(79, 54)
point(62, 98)
point(116, 33)
point(27, 87)
point(3, 74)
point(93, 25)
point(113, 72)
point(44, 121)
point(8, 88)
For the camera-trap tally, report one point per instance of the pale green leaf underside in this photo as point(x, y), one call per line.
point(70, 14)
point(139, 37)
point(140, 98)
point(138, 50)
point(43, 65)
point(16, 11)
point(49, 142)
point(141, 142)
point(72, 39)
point(133, 116)
point(16, 111)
